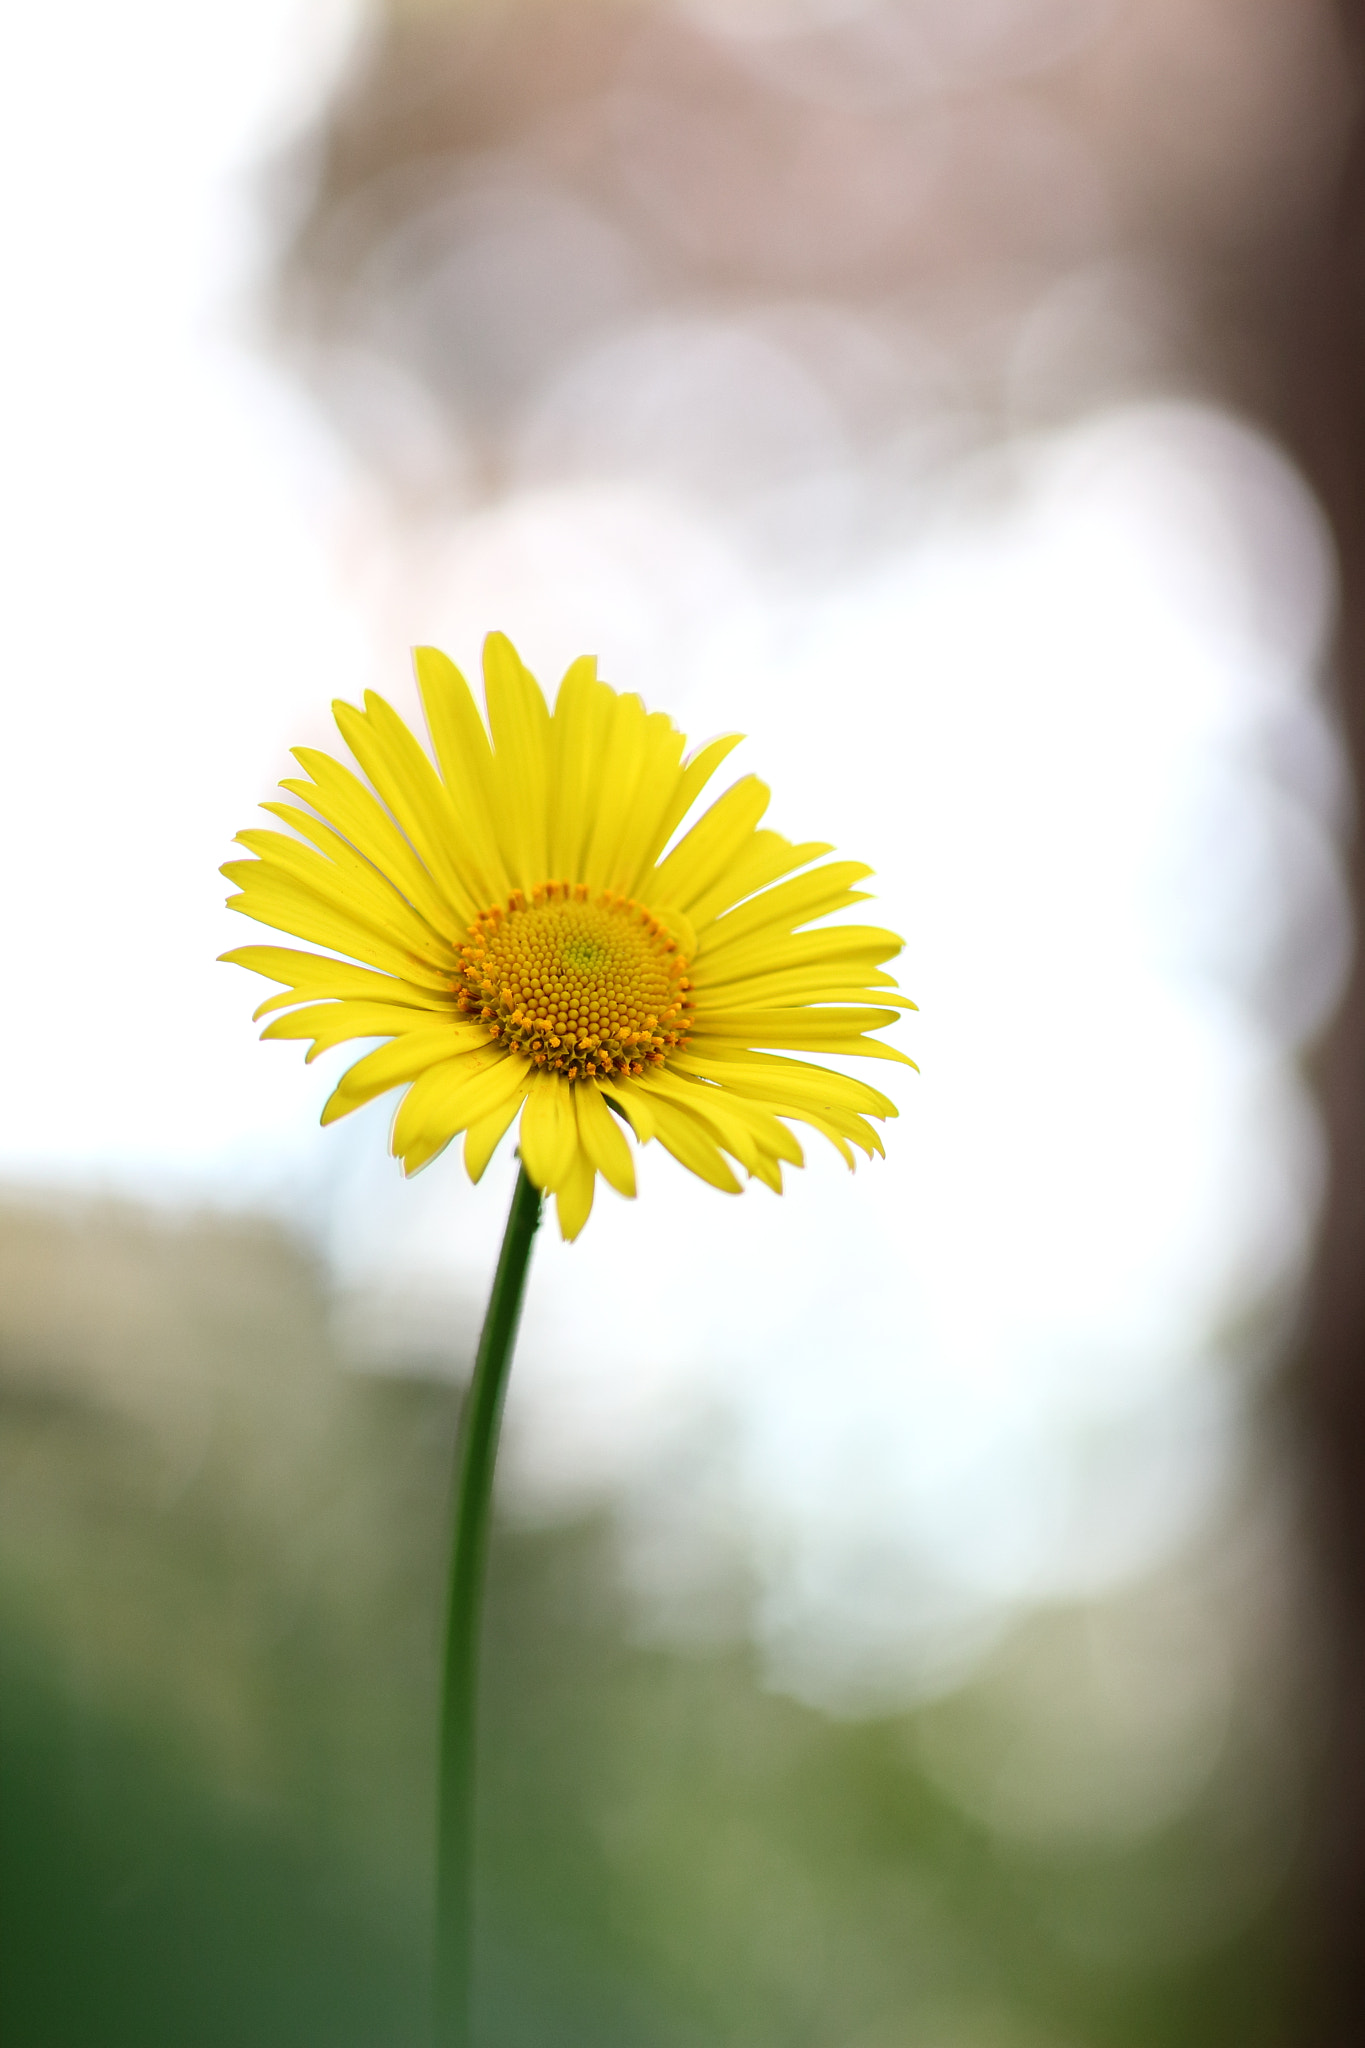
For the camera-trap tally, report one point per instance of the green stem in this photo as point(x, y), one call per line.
point(474, 1461)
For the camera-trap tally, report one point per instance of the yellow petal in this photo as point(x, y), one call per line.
point(692, 778)
point(403, 1059)
point(276, 899)
point(342, 798)
point(549, 1131)
point(682, 1134)
point(747, 1130)
point(520, 725)
point(621, 762)
point(731, 1133)
point(769, 952)
point(812, 1026)
point(329, 1024)
point(349, 885)
point(652, 799)
point(765, 857)
point(788, 905)
point(848, 1126)
point(699, 859)
point(450, 1097)
point(420, 802)
point(838, 1125)
point(774, 1139)
point(801, 988)
point(768, 1078)
point(573, 1198)
point(581, 714)
point(422, 1151)
point(810, 1102)
point(793, 1040)
point(483, 1138)
point(466, 762)
point(634, 1106)
point(353, 880)
point(602, 1139)
point(312, 975)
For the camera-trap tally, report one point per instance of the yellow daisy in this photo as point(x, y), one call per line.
point(536, 939)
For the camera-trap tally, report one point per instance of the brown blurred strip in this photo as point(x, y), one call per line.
point(1320, 336)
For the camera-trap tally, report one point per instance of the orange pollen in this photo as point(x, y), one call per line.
point(578, 983)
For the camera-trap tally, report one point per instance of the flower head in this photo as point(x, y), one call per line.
point(535, 939)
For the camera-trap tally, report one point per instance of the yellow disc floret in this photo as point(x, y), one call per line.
point(582, 983)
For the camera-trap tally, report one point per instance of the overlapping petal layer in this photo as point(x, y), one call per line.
point(482, 912)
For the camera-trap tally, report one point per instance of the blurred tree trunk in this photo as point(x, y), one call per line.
point(1320, 348)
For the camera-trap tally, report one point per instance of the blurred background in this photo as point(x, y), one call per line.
point(927, 1611)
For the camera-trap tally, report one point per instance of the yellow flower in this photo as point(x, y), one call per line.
point(530, 945)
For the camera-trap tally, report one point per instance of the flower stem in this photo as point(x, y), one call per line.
point(474, 1461)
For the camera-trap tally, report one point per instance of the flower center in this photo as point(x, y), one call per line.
point(578, 983)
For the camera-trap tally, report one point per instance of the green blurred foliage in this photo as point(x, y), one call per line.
point(219, 1587)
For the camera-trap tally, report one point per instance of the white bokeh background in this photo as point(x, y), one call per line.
point(1070, 711)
